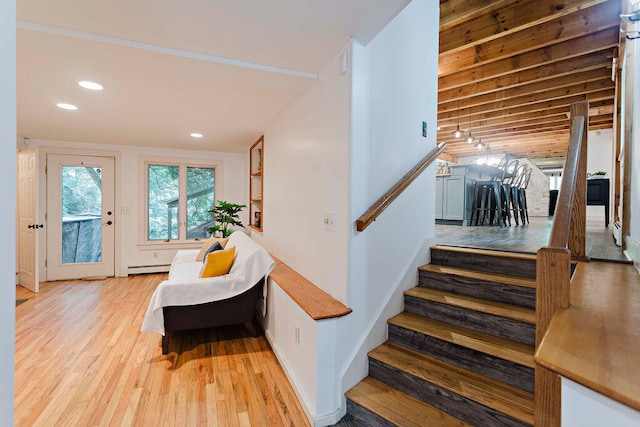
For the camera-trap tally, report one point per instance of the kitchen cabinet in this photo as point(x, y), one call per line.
point(452, 196)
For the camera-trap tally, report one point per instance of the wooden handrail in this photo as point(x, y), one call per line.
point(383, 202)
point(553, 263)
point(562, 217)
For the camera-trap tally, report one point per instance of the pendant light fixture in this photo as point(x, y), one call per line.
point(469, 137)
point(479, 144)
point(457, 133)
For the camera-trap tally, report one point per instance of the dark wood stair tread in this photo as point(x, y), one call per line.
point(509, 311)
point(397, 407)
point(487, 252)
point(486, 391)
point(498, 347)
point(479, 275)
point(490, 252)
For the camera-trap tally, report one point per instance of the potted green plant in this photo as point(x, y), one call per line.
point(225, 216)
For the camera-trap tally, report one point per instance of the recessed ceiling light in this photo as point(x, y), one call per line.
point(65, 106)
point(197, 135)
point(90, 85)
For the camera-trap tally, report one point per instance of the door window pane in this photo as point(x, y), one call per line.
point(81, 214)
point(163, 203)
point(200, 199)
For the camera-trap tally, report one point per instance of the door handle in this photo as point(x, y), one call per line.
point(35, 226)
point(31, 226)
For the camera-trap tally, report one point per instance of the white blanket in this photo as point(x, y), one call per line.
point(252, 263)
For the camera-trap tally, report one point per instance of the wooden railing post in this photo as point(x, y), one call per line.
point(553, 263)
point(553, 275)
point(578, 229)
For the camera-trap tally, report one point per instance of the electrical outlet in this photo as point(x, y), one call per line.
point(424, 129)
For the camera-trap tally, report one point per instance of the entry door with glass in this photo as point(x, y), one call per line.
point(80, 216)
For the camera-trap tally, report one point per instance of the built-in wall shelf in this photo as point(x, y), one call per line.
point(256, 167)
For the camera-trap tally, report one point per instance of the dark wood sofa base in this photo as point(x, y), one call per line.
point(231, 311)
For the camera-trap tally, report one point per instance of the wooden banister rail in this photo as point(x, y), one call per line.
point(562, 217)
point(383, 202)
point(553, 263)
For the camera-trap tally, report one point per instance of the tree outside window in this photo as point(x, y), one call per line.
point(179, 196)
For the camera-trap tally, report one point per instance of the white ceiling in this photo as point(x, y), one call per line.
point(224, 68)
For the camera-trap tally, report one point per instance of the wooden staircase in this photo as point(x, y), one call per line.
point(462, 351)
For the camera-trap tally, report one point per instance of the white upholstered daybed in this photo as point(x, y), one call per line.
point(186, 301)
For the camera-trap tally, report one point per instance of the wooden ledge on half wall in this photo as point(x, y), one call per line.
point(314, 301)
point(595, 341)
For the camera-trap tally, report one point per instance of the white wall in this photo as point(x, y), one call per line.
point(306, 163)
point(633, 78)
point(7, 208)
point(394, 91)
point(233, 181)
point(337, 148)
point(600, 158)
point(582, 407)
point(306, 166)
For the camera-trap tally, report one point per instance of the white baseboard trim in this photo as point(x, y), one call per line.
point(633, 251)
point(405, 280)
point(330, 419)
point(292, 378)
point(145, 269)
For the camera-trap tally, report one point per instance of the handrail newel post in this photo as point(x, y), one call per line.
point(553, 263)
point(553, 274)
point(577, 231)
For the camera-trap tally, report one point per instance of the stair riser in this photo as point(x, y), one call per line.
point(367, 417)
point(514, 330)
point(499, 292)
point(484, 364)
point(486, 263)
point(458, 406)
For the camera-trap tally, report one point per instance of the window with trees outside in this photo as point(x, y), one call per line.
point(179, 198)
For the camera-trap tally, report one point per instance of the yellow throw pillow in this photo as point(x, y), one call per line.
point(218, 263)
point(207, 244)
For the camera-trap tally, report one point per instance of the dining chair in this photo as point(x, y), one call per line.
point(512, 192)
point(506, 181)
point(522, 195)
point(489, 200)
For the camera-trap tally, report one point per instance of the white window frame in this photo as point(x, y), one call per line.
point(143, 217)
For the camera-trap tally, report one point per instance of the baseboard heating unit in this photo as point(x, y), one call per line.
point(617, 232)
point(145, 269)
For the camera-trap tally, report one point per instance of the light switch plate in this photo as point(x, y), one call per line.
point(330, 221)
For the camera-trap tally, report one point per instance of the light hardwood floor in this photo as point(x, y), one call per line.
point(81, 360)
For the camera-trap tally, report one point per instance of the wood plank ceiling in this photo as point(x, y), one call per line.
point(509, 70)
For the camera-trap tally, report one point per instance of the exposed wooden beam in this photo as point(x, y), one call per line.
point(454, 12)
point(522, 105)
point(599, 72)
point(591, 61)
point(587, 21)
point(601, 40)
point(510, 70)
point(509, 19)
point(522, 114)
